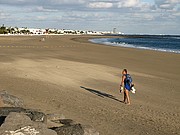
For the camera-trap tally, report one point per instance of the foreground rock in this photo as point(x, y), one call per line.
point(69, 130)
point(32, 114)
point(71, 127)
point(15, 120)
point(20, 121)
point(20, 124)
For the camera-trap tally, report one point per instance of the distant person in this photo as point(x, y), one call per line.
point(125, 85)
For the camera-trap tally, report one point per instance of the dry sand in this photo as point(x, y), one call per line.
point(80, 80)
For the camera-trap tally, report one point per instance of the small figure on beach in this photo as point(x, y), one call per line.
point(126, 85)
point(42, 39)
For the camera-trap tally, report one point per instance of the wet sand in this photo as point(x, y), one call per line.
point(80, 80)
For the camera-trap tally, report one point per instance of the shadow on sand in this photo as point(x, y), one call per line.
point(101, 94)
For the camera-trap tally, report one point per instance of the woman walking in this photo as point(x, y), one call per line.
point(126, 84)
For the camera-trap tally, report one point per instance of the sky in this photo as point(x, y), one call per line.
point(127, 16)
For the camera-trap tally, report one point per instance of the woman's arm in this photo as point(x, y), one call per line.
point(122, 81)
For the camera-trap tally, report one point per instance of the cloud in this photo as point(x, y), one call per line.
point(45, 3)
point(167, 4)
point(128, 3)
point(100, 5)
point(66, 1)
point(177, 14)
point(40, 18)
point(41, 9)
point(144, 17)
point(18, 2)
point(4, 15)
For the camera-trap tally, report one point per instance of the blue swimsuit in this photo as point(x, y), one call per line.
point(127, 85)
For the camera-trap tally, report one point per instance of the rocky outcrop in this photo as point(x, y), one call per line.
point(20, 124)
point(32, 114)
point(20, 121)
point(16, 120)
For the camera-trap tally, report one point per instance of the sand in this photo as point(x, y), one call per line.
point(80, 80)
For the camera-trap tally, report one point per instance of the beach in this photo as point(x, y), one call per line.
point(71, 76)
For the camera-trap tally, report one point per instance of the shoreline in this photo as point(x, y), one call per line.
point(79, 79)
point(104, 41)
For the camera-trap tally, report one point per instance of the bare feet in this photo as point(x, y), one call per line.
point(127, 103)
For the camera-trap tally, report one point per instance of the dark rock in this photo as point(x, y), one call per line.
point(69, 130)
point(10, 100)
point(21, 124)
point(36, 116)
point(57, 118)
point(4, 111)
point(33, 115)
point(53, 120)
point(55, 123)
point(67, 122)
point(51, 124)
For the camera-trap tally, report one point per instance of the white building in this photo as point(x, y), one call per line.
point(37, 31)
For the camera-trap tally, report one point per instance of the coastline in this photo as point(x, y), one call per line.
point(63, 77)
point(135, 42)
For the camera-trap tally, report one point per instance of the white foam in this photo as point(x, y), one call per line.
point(106, 41)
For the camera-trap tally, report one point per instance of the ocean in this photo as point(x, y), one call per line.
point(162, 43)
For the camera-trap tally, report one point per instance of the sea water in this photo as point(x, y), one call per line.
point(150, 42)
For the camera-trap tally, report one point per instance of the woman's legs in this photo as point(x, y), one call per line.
point(127, 96)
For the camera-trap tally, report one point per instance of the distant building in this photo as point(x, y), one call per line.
point(114, 31)
point(37, 31)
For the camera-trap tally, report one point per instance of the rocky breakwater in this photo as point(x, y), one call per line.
point(17, 120)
